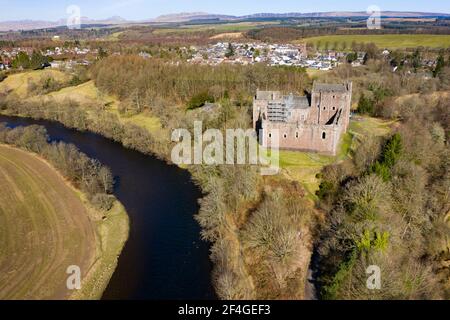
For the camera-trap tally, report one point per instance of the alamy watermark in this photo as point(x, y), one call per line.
point(74, 19)
point(73, 281)
point(374, 20)
point(374, 280)
point(238, 147)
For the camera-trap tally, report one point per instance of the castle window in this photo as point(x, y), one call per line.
point(270, 135)
point(334, 108)
point(324, 135)
point(324, 108)
point(296, 135)
point(285, 135)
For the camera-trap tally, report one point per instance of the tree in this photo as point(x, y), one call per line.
point(38, 61)
point(365, 105)
point(371, 51)
point(230, 51)
point(22, 60)
point(392, 150)
point(391, 153)
point(106, 179)
point(352, 57)
point(199, 100)
point(101, 53)
point(416, 60)
point(102, 201)
point(256, 53)
point(440, 64)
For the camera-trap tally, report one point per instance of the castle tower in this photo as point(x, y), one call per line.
point(331, 104)
point(315, 124)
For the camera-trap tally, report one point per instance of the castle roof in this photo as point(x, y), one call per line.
point(325, 87)
point(296, 102)
point(268, 95)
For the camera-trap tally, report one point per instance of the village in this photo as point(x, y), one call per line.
point(270, 54)
point(240, 53)
point(58, 57)
point(215, 54)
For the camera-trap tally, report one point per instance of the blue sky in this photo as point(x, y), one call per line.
point(145, 9)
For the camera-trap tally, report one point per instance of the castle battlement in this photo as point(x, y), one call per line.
point(311, 123)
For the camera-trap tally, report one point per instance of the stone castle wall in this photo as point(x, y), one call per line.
point(317, 127)
point(316, 138)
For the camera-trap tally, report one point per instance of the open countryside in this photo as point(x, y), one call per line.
point(90, 121)
point(388, 41)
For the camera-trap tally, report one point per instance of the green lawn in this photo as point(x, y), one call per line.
point(219, 27)
point(304, 166)
point(18, 83)
point(389, 41)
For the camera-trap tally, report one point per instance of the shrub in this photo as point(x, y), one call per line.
point(199, 100)
point(365, 105)
point(102, 201)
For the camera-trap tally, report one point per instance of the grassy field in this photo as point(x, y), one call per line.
point(18, 83)
point(315, 73)
point(228, 35)
point(304, 166)
point(86, 94)
point(219, 27)
point(46, 226)
point(389, 41)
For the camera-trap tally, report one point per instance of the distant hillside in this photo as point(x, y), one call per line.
point(34, 24)
point(402, 14)
point(185, 17)
point(190, 16)
point(199, 16)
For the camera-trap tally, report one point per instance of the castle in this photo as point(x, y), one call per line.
point(308, 123)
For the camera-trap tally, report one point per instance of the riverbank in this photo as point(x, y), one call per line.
point(112, 231)
point(243, 269)
point(164, 254)
point(55, 227)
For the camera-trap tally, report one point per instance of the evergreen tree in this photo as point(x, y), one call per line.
point(440, 64)
point(101, 53)
point(230, 52)
point(416, 60)
point(365, 105)
point(22, 60)
point(38, 60)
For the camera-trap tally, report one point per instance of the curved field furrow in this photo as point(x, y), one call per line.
point(44, 228)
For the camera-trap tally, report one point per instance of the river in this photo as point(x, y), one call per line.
point(164, 257)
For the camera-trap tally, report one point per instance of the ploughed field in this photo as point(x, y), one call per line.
point(44, 228)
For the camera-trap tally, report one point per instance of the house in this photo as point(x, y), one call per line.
point(145, 55)
point(56, 64)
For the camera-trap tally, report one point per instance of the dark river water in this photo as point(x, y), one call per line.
point(164, 257)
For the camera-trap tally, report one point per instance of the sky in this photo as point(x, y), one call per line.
point(145, 9)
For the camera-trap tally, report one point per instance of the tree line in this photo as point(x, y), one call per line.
point(86, 174)
point(36, 61)
point(388, 206)
point(143, 83)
